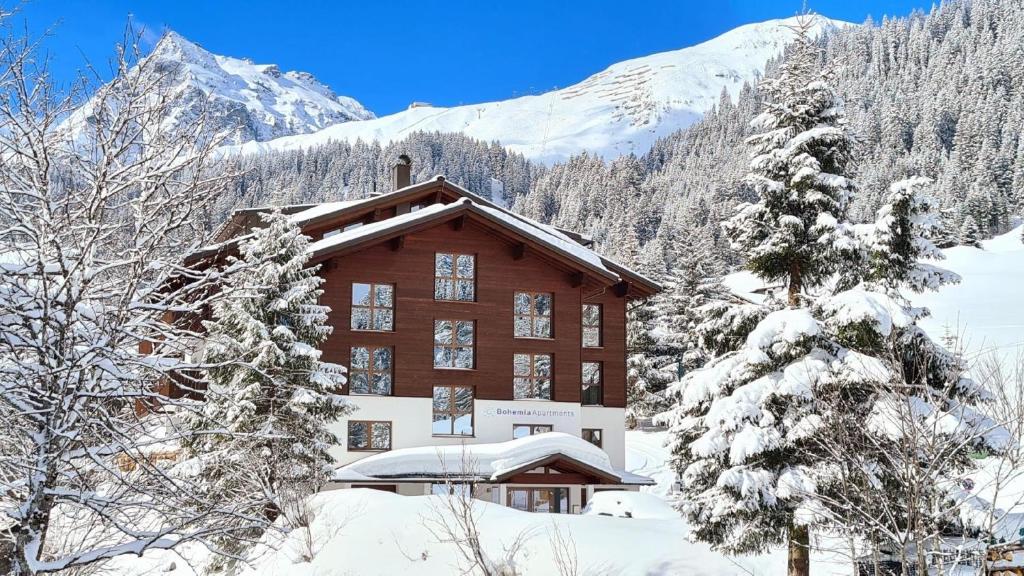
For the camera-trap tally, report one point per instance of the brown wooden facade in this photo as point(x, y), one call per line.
point(507, 261)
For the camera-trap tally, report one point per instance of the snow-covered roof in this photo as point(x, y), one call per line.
point(549, 237)
point(484, 462)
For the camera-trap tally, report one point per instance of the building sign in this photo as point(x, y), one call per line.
point(530, 412)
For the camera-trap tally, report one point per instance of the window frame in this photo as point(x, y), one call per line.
point(600, 436)
point(550, 428)
point(369, 435)
point(454, 345)
point(372, 307)
point(584, 384)
point(531, 314)
point(599, 326)
point(370, 371)
point(557, 493)
point(533, 377)
point(452, 411)
point(454, 277)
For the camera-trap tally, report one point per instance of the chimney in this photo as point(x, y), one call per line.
point(401, 173)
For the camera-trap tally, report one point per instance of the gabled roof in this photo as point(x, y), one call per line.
point(570, 248)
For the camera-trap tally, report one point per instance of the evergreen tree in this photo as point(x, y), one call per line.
point(753, 432)
point(969, 233)
point(273, 406)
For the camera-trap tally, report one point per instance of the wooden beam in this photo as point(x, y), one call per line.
point(621, 289)
point(519, 251)
point(459, 223)
point(397, 243)
point(576, 279)
point(438, 197)
point(376, 215)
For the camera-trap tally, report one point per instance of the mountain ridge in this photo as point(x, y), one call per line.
point(620, 110)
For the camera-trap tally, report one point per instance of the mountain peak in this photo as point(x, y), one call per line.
point(248, 101)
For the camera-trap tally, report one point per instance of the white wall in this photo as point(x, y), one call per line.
point(492, 422)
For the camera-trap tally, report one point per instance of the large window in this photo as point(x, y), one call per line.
point(455, 277)
point(453, 344)
point(553, 500)
point(453, 411)
point(373, 307)
point(593, 391)
point(593, 435)
point(524, 430)
point(370, 371)
point(533, 315)
point(369, 435)
point(532, 376)
point(591, 325)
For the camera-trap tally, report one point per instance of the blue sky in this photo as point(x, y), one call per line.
point(387, 54)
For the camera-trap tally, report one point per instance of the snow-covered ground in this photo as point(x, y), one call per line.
point(620, 110)
point(365, 532)
point(985, 310)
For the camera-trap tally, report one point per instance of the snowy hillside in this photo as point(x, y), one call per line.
point(986, 310)
point(247, 101)
point(620, 110)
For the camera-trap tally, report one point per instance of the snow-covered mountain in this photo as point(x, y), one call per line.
point(619, 110)
point(246, 101)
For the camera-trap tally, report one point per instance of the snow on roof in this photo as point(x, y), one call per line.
point(347, 236)
point(324, 209)
point(482, 461)
point(548, 235)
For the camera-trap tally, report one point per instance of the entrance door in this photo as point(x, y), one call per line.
point(552, 500)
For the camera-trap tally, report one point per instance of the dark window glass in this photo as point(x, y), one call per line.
point(592, 435)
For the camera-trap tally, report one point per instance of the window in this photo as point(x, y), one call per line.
point(592, 392)
point(533, 315)
point(453, 344)
point(532, 376)
point(370, 371)
point(455, 277)
point(453, 411)
point(373, 307)
point(553, 500)
point(592, 435)
point(369, 435)
point(462, 491)
point(591, 325)
point(524, 430)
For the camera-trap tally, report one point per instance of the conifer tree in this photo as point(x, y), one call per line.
point(275, 404)
point(751, 431)
point(969, 233)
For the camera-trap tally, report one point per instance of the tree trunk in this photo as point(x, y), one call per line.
point(799, 551)
point(795, 284)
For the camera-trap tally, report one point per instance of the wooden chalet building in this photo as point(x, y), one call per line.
point(464, 324)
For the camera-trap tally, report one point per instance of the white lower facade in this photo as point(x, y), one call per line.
point(493, 421)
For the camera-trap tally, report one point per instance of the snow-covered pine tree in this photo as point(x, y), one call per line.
point(740, 430)
point(275, 404)
point(970, 235)
point(646, 378)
